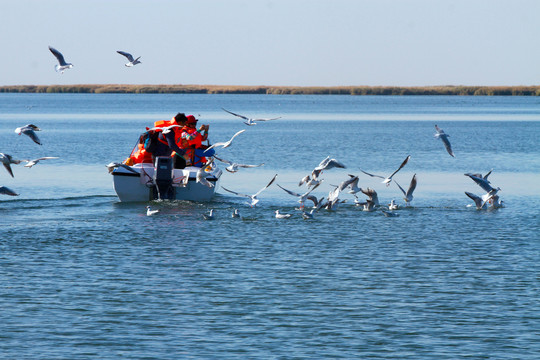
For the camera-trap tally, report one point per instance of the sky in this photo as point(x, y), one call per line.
point(273, 42)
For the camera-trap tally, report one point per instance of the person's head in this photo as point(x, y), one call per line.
point(191, 121)
point(180, 118)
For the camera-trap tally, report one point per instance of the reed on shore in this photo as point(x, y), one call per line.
point(278, 90)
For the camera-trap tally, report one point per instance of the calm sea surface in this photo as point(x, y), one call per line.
point(83, 276)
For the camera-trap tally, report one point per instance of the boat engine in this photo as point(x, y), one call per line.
point(163, 178)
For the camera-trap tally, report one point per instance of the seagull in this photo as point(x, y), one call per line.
point(309, 181)
point(7, 160)
point(132, 62)
point(209, 216)
point(226, 143)
point(326, 164)
point(233, 167)
point(480, 204)
point(440, 134)
point(484, 184)
point(372, 195)
point(254, 199)
point(250, 121)
point(368, 205)
point(354, 185)
point(393, 205)
point(409, 194)
point(31, 163)
point(282, 216)
point(235, 214)
point(388, 179)
point(29, 130)
point(114, 165)
point(7, 191)
point(150, 212)
point(303, 197)
point(203, 173)
point(307, 215)
point(63, 65)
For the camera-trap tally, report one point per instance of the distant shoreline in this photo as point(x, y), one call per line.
point(278, 90)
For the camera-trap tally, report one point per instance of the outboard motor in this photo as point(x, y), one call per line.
point(163, 178)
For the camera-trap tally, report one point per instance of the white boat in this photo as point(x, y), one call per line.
point(146, 182)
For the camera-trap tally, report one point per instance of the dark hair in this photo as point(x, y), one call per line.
point(180, 118)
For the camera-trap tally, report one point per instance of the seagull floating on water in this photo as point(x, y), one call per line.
point(7, 191)
point(132, 61)
point(233, 167)
point(282, 216)
point(440, 134)
point(388, 179)
point(209, 216)
point(226, 143)
point(62, 64)
point(250, 121)
point(254, 199)
point(393, 205)
point(408, 195)
point(235, 214)
point(31, 163)
point(307, 215)
point(150, 212)
point(29, 130)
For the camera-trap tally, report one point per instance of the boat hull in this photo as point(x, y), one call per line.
point(138, 185)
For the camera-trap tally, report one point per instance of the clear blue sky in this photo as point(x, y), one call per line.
point(273, 42)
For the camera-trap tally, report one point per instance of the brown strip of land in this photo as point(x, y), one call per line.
point(280, 90)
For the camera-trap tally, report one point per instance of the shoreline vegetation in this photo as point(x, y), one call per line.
point(278, 90)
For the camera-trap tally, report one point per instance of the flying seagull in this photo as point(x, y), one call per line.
point(132, 61)
point(388, 179)
point(31, 163)
point(203, 173)
point(226, 143)
point(7, 191)
point(254, 199)
point(233, 167)
point(408, 195)
point(62, 64)
point(7, 160)
point(30, 131)
point(302, 197)
point(250, 121)
point(440, 134)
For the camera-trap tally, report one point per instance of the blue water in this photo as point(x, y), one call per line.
point(84, 276)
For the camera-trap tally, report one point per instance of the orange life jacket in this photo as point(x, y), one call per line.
point(141, 155)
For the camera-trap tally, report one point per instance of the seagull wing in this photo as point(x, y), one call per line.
point(266, 119)
point(58, 56)
point(412, 186)
point(270, 183)
point(289, 191)
point(477, 200)
point(236, 193)
point(32, 135)
point(447, 145)
point(400, 188)
point(484, 184)
point(223, 160)
point(7, 191)
point(372, 175)
point(249, 166)
point(401, 166)
point(127, 55)
point(439, 130)
point(8, 168)
point(241, 116)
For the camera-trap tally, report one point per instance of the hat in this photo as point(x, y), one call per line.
point(191, 119)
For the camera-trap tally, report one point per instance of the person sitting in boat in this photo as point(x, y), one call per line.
point(195, 137)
